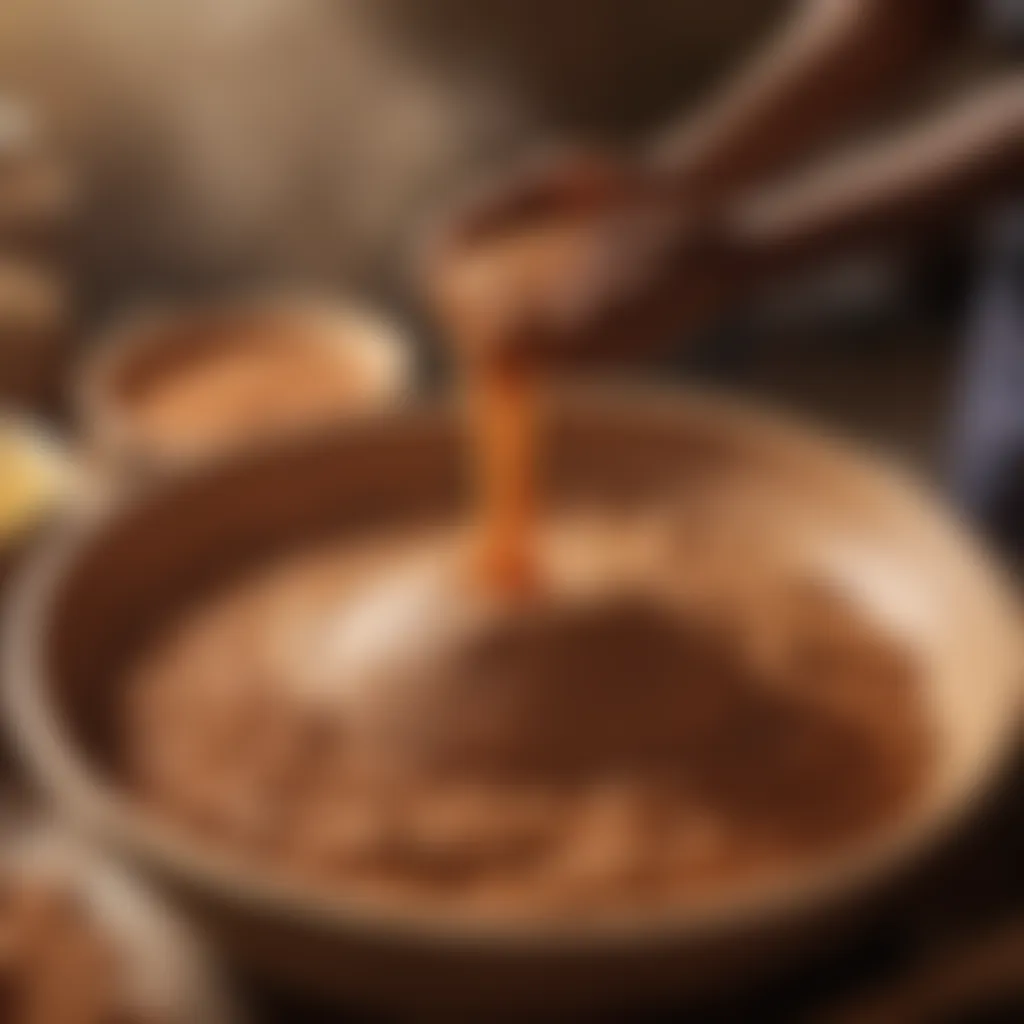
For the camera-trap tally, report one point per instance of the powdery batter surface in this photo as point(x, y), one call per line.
point(701, 718)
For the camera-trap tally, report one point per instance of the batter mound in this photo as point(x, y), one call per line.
point(655, 729)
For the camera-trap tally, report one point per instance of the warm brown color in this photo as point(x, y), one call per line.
point(56, 963)
point(493, 295)
point(504, 418)
point(672, 717)
point(630, 714)
point(101, 587)
point(247, 384)
point(188, 384)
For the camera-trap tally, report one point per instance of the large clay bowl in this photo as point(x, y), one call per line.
point(93, 595)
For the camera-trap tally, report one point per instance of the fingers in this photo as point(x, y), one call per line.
point(558, 184)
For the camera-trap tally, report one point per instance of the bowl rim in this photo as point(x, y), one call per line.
point(102, 807)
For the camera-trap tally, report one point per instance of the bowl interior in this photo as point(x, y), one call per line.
point(100, 592)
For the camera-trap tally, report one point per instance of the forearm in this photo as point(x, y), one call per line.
point(925, 179)
point(829, 64)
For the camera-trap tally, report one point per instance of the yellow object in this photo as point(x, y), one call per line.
point(34, 477)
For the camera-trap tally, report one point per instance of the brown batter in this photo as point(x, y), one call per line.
point(650, 738)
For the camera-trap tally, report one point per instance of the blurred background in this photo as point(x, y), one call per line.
point(176, 151)
point(306, 141)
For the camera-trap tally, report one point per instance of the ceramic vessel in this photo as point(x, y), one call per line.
point(95, 592)
point(156, 343)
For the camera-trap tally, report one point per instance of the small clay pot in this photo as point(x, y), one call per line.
point(158, 970)
point(354, 360)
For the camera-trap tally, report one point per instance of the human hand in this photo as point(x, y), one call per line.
point(617, 262)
